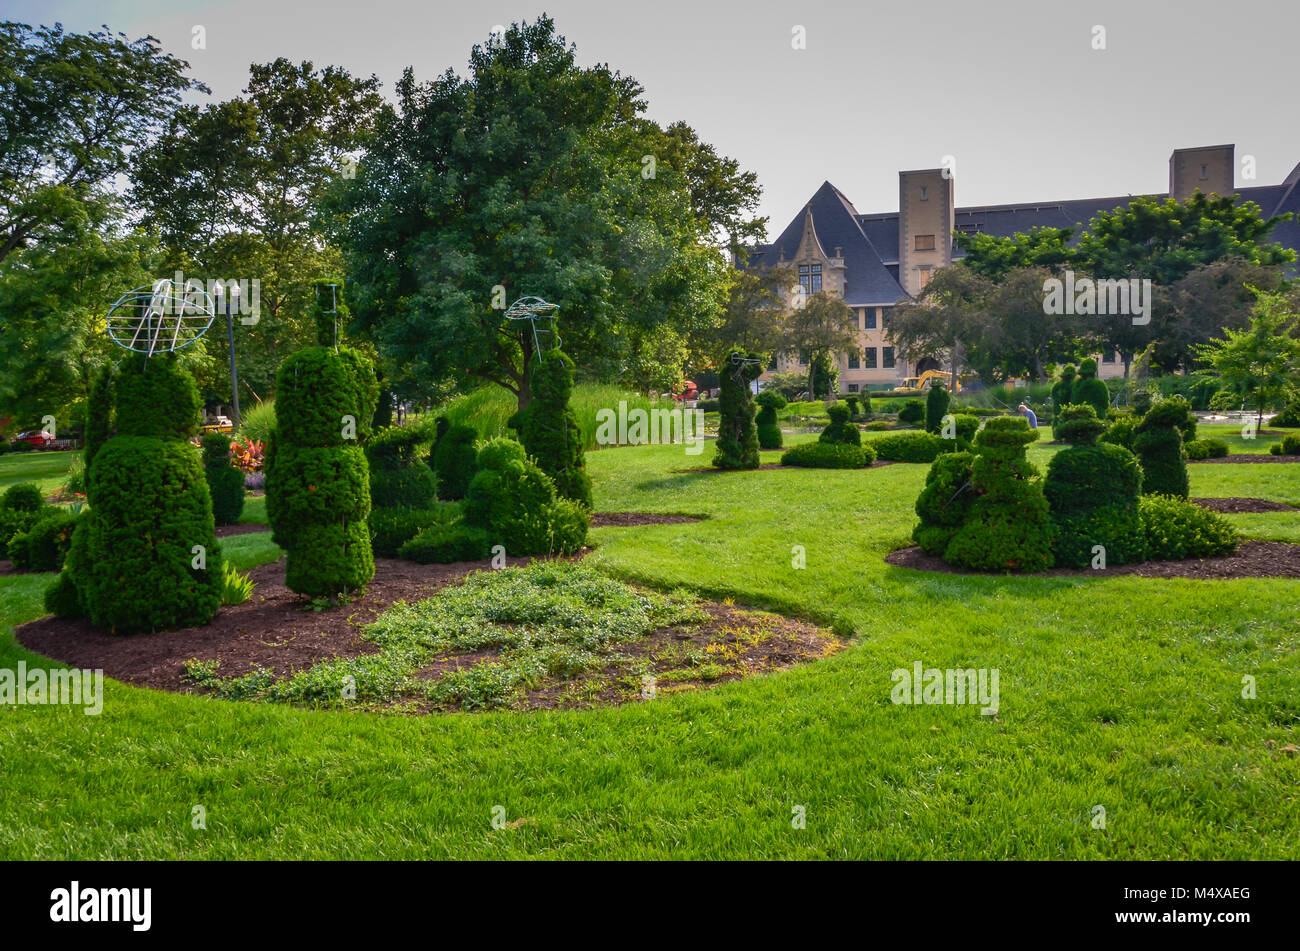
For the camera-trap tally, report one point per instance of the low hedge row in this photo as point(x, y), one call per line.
point(912, 446)
point(829, 455)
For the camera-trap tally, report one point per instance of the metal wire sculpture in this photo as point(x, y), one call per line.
point(533, 310)
point(161, 317)
point(741, 362)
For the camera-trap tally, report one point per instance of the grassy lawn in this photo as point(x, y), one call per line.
point(49, 470)
point(1120, 692)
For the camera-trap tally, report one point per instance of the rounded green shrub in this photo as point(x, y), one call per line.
point(1206, 449)
point(1121, 432)
point(399, 477)
point(443, 544)
point(1289, 417)
point(225, 482)
point(936, 408)
point(157, 398)
point(1289, 446)
point(455, 460)
point(99, 414)
point(769, 430)
point(910, 447)
point(1176, 529)
point(840, 430)
point(828, 455)
point(1158, 443)
point(912, 412)
point(44, 546)
point(23, 497)
point(317, 476)
point(1088, 389)
point(62, 599)
point(390, 528)
point(549, 429)
point(515, 502)
point(1093, 493)
point(1078, 424)
point(737, 445)
point(944, 502)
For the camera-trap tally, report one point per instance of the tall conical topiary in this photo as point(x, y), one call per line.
point(317, 480)
point(549, 428)
point(769, 430)
point(936, 408)
point(737, 446)
point(147, 558)
point(225, 482)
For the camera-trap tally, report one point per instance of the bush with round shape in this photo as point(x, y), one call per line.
point(399, 476)
point(737, 445)
point(769, 430)
point(1008, 527)
point(912, 412)
point(1289, 446)
point(911, 447)
point(225, 482)
point(455, 460)
point(44, 546)
point(944, 502)
point(317, 477)
point(515, 502)
point(444, 544)
point(1121, 432)
point(936, 408)
point(1159, 446)
point(549, 429)
point(840, 430)
point(1175, 529)
point(851, 401)
point(390, 528)
point(62, 599)
point(23, 497)
point(1064, 387)
point(1206, 449)
point(99, 414)
point(20, 508)
point(828, 455)
point(1289, 417)
point(1078, 424)
point(1088, 389)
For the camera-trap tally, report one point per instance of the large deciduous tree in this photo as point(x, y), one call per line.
point(1262, 360)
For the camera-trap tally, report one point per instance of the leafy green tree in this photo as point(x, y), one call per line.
point(950, 312)
point(1262, 361)
point(529, 176)
point(822, 327)
point(992, 257)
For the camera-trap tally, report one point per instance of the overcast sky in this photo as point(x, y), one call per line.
point(1012, 89)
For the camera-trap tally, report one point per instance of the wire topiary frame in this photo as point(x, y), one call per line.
point(159, 318)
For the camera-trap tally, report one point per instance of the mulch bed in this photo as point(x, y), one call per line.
point(1245, 457)
point(1237, 505)
point(1253, 559)
point(768, 465)
point(275, 628)
point(226, 531)
point(604, 519)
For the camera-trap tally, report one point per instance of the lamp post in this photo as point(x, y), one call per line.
point(230, 336)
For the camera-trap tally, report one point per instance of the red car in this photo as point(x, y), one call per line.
point(36, 437)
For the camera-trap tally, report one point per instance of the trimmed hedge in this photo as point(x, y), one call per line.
point(769, 430)
point(454, 461)
point(44, 546)
point(399, 477)
point(549, 428)
point(829, 455)
point(391, 528)
point(1177, 529)
point(1093, 493)
point(225, 482)
point(737, 445)
point(1090, 390)
point(443, 544)
point(1159, 445)
point(1289, 446)
point(936, 408)
point(1121, 432)
point(99, 414)
point(515, 502)
point(912, 412)
point(840, 430)
point(944, 502)
point(910, 447)
point(1206, 449)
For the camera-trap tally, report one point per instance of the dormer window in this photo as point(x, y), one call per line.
point(810, 278)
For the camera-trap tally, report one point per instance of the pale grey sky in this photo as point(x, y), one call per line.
point(1012, 89)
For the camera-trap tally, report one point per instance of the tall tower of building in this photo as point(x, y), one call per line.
point(926, 215)
point(1211, 168)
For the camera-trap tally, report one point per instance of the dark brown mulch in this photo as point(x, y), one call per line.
point(767, 465)
point(1236, 505)
point(275, 628)
point(7, 567)
point(603, 519)
point(226, 531)
point(1253, 559)
point(1246, 457)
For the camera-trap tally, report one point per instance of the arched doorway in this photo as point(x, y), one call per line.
point(926, 364)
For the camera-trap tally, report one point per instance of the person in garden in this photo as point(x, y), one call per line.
point(1029, 414)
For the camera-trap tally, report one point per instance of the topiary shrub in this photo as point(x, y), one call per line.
point(549, 428)
point(737, 446)
point(390, 528)
point(1063, 388)
point(936, 408)
point(959, 428)
point(1142, 401)
point(1088, 389)
point(99, 414)
point(443, 544)
point(20, 508)
point(1289, 417)
point(515, 502)
point(1206, 449)
point(910, 447)
point(1121, 432)
point(455, 460)
point(1159, 446)
point(944, 502)
point(1008, 527)
point(23, 497)
point(864, 397)
point(912, 412)
point(828, 455)
point(851, 401)
point(317, 478)
point(61, 598)
point(44, 546)
point(769, 430)
point(225, 482)
point(399, 477)
point(1092, 491)
point(1175, 529)
point(1289, 446)
point(840, 430)
point(146, 558)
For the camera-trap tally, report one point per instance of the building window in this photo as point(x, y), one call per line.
point(1108, 357)
point(923, 242)
point(869, 318)
point(810, 278)
point(853, 359)
point(1205, 172)
point(816, 278)
point(803, 358)
point(887, 357)
point(772, 365)
point(924, 194)
point(869, 358)
point(886, 315)
point(853, 387)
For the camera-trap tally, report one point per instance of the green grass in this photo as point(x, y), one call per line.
point(488, 408)
point(1122, 692)
point(49, 470)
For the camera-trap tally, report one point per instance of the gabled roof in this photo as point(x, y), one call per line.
point(835, 222)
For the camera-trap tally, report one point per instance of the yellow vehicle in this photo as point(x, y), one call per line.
point(220, 425)
point(919, 384)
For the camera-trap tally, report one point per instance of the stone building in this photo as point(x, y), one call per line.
point(875, 261)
